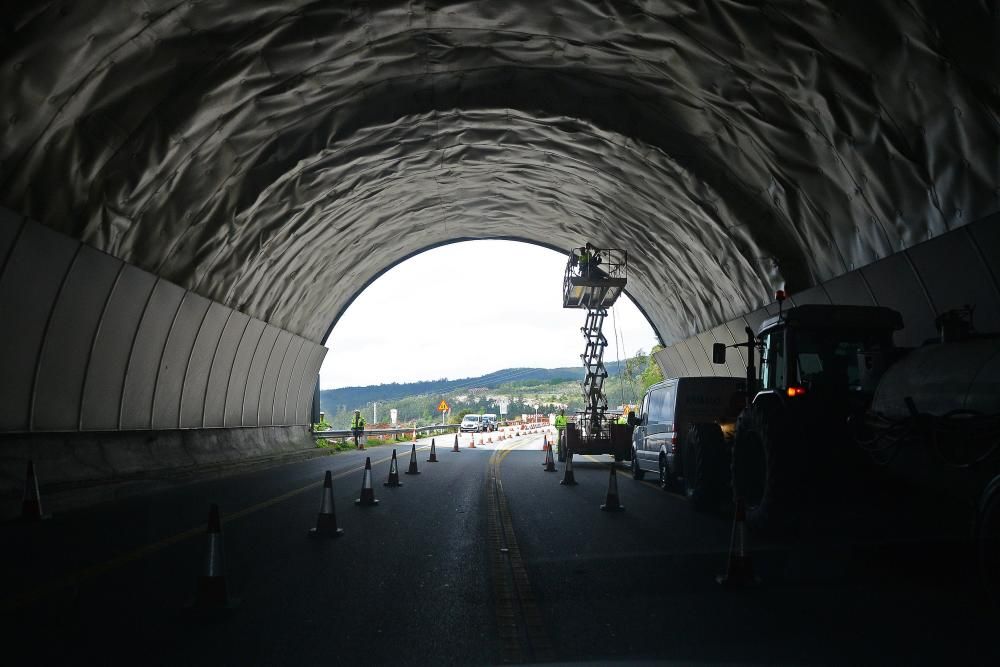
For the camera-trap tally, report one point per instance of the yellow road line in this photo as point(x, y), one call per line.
point(87, 573)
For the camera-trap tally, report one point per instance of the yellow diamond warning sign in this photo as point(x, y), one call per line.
point(443, 407)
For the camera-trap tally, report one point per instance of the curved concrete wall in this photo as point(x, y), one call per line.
point(90, 343)
point(922, 282)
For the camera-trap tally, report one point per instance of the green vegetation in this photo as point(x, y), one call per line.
point(523, 388)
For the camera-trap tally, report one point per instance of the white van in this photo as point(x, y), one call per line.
point(683, 433)
point(471, 423)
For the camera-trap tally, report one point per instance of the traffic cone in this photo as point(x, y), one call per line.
point(414, 435)
point(455, 448)
point(212, 590)
point(550, 465)
point(393, 479)
point(31, 506)
point(611, 503)
point(490, 440)
point(434, 457)
point(472, 442)
point(326, 520)
point(545, 443)
point(568, 478)
point(367, 492)
point(412, 470)
point(739, 569)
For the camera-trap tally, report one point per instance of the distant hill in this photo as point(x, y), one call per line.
point(335, 401)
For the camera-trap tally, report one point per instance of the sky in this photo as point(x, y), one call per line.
point(467, 309)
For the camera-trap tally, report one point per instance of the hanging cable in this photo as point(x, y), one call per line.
point(618, 349)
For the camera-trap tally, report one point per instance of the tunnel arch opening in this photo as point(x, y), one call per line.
point(495, 302)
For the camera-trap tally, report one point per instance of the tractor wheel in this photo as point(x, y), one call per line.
point(637, 472)
point(665, 482)
point(703, 466)
point(764, 470)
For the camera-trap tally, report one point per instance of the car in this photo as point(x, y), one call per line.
point(683, 433)
point(489, 422)
point(471, 424)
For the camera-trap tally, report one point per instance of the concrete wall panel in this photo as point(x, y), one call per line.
point(251, 398)
point(895, 285)
point(66, 350)
point(147, 353)
point(30, 284)
point(812, 295)
point(200, 365)
point(706, 340)
point(954, 274)
point(10, 227)
point(284, 379)
point(102, 396)
point(270, 379)
point(849, 290)
point(737, 328)
point(986, 234)
point(236, 389)
point(733, 365)
point(687, 358)
point(174, 364)
point(307, 384)
point(222, 369)
point(294, 383)
point(669, 362)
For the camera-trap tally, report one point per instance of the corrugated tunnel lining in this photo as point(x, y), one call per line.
point(277, 158)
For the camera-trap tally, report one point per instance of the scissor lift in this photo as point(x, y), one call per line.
point(594, 279)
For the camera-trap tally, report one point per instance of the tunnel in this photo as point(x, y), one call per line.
point(193, 193)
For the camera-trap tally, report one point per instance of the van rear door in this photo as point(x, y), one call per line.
point(708, 399)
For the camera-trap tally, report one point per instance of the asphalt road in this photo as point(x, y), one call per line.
point(482, 558)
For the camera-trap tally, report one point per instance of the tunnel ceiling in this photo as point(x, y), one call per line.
point(277, 157)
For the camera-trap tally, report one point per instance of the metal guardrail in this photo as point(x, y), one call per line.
point(347, 433)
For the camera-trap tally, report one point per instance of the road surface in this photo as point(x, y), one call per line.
point(483, 558)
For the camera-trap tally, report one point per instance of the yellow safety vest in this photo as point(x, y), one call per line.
point(358, 422)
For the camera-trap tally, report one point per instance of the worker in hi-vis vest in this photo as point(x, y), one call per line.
point(561, 432)
point(358, 429)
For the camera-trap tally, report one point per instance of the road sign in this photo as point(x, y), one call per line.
point(443, 407)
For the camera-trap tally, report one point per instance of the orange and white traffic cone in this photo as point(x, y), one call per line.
point(455, 448)
point(568, 478)
point(472, 441)
point(739, 569)
point(611, 502)
point(412, 470)
point(393, 479)
point(31, 505)
point(414, 435)
point(212, 590)
point(550, 464)
point(367, 492)
point(326, 520)
point(545, 443)
point(433, 457)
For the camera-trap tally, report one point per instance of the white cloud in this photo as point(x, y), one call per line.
point(464, 310)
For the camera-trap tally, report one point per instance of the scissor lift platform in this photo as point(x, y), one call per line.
point(597, 283)
point(594, 279)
